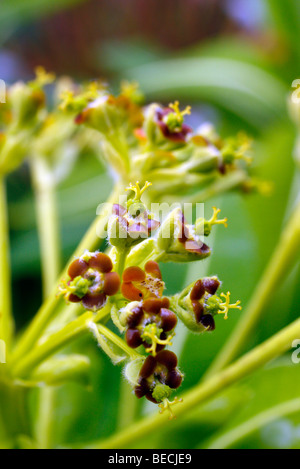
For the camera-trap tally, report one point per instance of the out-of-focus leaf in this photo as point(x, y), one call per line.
point(275, 393)
point(251, 93)
point(61, 369)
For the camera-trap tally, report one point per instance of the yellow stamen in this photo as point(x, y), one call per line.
point(66, 98)
point(225, 306)
point(175, 107)
point(151, 334)
point(214, 219)
point(42, 77)
point(129, 87)
point(137, 190)
point(166, 405)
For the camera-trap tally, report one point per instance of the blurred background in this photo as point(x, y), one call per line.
point(234, 61)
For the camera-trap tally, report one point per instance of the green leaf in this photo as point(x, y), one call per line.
point(275, 393)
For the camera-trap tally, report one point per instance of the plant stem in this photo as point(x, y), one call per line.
point(47, 310)
point(48, 225)
point(118, 341)
point(258, 421)
point(284, 257)
point(262, 354)
point(57, 341)
point(6, 320)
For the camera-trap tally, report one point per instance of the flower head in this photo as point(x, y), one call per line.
point(156, 372)
point(171, 122)
point(91, 281)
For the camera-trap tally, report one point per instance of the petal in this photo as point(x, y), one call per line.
point(148, 367)
point(133, 338)
point(111, 283)
point(174, 379)
point(208, 322)
point(93, 302)
point(152, 267)
point(198, 310)
point(133, 274)
point(130, 292)
point(198, 291)
point(153, 305)
point(135, 317)
point(142, 389)
point(119, 210)
point(101, 262)
point(211, 285)
point(74, 299)
point(167, 358)
point(77, 268)
point(168, 319)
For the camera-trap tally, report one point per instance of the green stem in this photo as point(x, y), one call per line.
point(118, 342)
point(46, 313)
point(48, 230)
point(57, 341)
point(272, 348)
point(255, 423)
point(48, 225)
point(6, 320)
point(284, 257)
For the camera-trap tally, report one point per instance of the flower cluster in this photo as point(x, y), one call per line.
point(129, 281)
point(155, 143)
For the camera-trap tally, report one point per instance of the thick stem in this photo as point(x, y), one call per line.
point(46, 313)
point(6, 320)
point(285, 256)
point(272, 348)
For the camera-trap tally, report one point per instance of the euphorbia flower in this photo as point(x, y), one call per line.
point(171, 122)
point(141, 284)
point(91, 281)
point(157, 372)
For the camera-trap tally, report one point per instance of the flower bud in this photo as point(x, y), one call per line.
point(197, 305)
point(179, 242)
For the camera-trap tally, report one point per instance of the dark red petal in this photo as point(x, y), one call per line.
point(151, 398)
point(142, 389)
point(77, 268)
point(133, 338)
point(133, 274)
point(101, 262)
point(152, 225)
point(198, 291)
point(193, 246)
point(93, 301)
point(111, 283)
point(135, 317)
point(148, 367)
point(119, 210)
point(198, 310)
point(152, 267)
point(130, 292)
point(168, 319)
point(174, 379)
point(153, 305)
point(167, 358)
point(211, 285)
point(74, 299)
point(208, 322)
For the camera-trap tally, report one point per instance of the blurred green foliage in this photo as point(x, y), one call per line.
point(248, 87)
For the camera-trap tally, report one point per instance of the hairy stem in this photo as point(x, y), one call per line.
point(272, 348)
point(284, 257)
point(6, 320)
